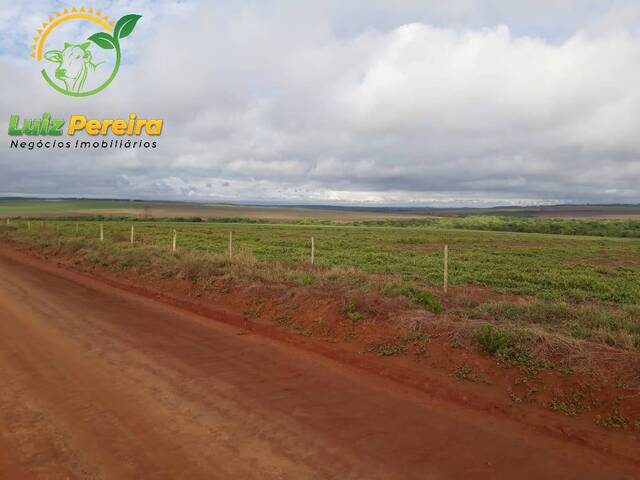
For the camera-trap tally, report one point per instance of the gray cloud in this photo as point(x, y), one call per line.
point(377, 101)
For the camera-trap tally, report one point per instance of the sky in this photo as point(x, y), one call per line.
point(381, 102)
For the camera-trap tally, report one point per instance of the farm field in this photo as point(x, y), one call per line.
point(83, 207)
point(542, 328)
point(60, 207)
point(549, 267)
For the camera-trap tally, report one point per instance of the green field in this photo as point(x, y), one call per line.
point(549, 267)
point(18, 207)
point(607, 221)
point(162, 209)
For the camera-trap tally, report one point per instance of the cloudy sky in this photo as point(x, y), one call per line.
point(413, 102)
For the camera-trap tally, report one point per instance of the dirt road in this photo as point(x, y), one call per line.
point(100, 383)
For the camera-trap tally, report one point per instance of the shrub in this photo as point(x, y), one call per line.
point(422, 297)
point(350, 309)
point(508, 347)
point(491, 340)
point(306, 279)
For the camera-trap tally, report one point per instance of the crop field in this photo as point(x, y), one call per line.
point(603, 220)
point(547, 320)
point(549, 267)
point(84, 207)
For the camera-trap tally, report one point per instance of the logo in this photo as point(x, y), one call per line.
point(77, 60)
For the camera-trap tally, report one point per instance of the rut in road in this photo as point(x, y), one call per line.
point(102, 384)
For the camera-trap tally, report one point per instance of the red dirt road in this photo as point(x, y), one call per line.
point(98, 383)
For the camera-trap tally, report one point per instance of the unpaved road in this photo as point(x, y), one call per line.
point(100, 383)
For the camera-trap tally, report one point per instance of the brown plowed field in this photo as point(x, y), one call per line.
point(97, 382)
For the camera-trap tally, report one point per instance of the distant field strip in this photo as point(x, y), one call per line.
point(553, 267)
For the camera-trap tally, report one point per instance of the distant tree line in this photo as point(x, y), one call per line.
point(557, 226)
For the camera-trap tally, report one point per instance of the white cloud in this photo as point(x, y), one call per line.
point(307, 104)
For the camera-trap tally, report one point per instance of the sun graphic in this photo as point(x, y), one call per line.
point(59, 18)
point(73, 67)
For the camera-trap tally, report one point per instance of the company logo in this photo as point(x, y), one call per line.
point(77, 60)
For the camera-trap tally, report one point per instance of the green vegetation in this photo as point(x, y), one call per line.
point(555, 226)
point(586, 288)
point(615, 420)
point(465, 372)
point(492, 340)
point(552, 226)
point(306, 279)
point(617, 327)
point(571, 404)
point(422, 297)
point(284, 321)
point(549, 267)
point(350, 310)
point(498, 220)
point(509, 347)
point(387, 349)
point(18, 207)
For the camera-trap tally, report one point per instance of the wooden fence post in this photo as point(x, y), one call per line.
point(77, 228)
point(28, 225)
point(131, 234)
point(313, 250)
point(446, 268)
point(102, 232)
point(175, 238)
point(230, 245)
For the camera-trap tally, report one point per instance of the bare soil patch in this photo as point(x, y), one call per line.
point(591, 395)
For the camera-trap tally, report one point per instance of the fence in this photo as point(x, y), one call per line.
point(289, 242)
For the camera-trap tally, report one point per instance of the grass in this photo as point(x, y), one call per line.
point(549, 267)
point(35, 206)
point(615, 420)
point(571, 404)
point(306, 279)
point(509, 347)
point(388, 349)
point(617, 327)
point(419, 296)
point(581, 287)
point(465, 372)
point(505, 223)
point(350, 309)
point(500, 220)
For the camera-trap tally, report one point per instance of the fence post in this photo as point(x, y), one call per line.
point(28, 225)
point(102, 232)
point(446, 268)
point(175, 238)
point(230, 245)
point(77, 228)
point(131, 234)
point(313, 250)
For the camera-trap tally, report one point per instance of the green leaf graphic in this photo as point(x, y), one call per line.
point(125, 25)
point(103, 40)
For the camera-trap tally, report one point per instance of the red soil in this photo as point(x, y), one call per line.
point(89, 321)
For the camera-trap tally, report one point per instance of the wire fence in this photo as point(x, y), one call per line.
point(553, 267)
